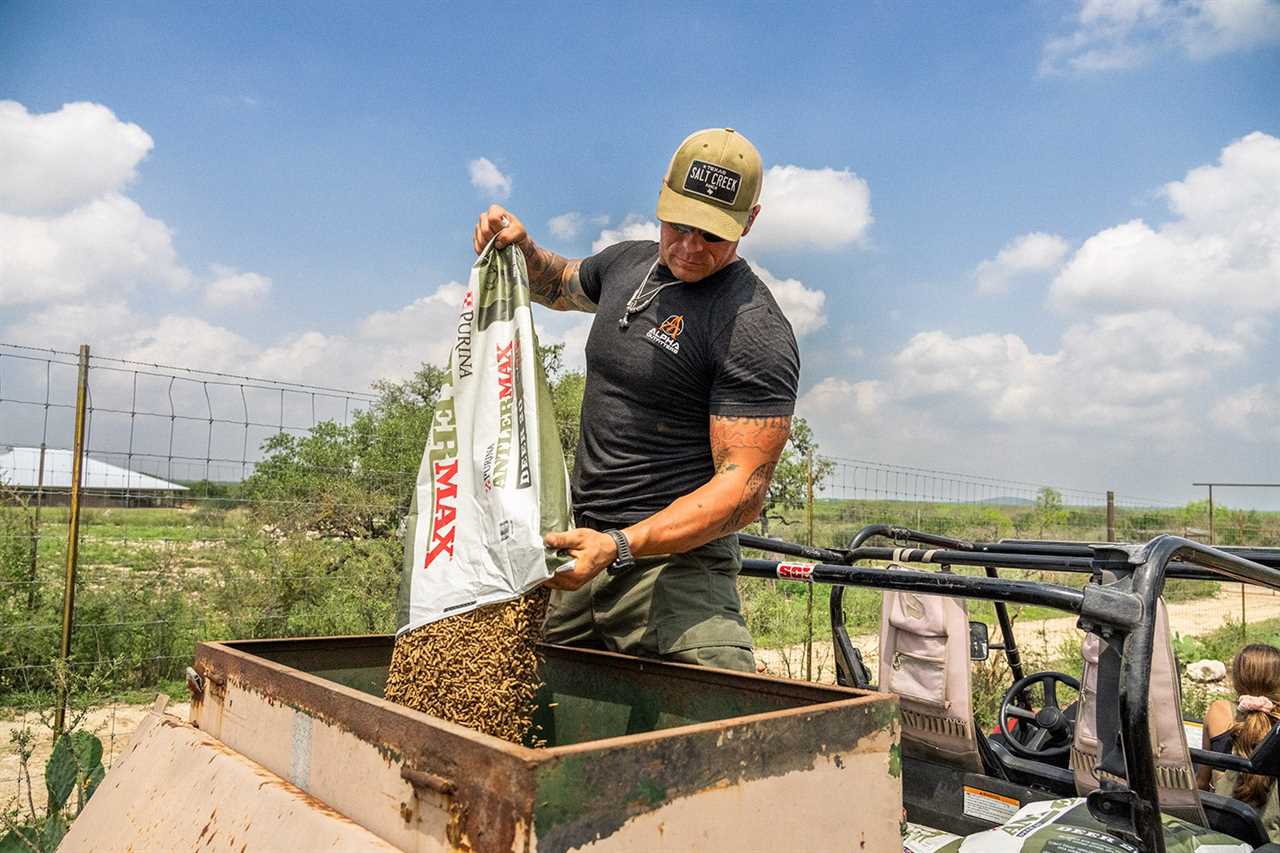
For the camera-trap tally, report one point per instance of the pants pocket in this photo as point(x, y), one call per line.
point(695, 600)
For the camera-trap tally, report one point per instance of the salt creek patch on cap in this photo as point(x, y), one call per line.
point(714, 182)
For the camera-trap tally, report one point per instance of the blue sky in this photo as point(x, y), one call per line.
point(301, 196)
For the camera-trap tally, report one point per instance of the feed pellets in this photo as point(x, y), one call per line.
point(478, 669)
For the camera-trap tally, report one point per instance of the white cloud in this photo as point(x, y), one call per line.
point(1252, 413)
point(1036, 252)
point(108, 245)
point(803, 306)
point(834, 394)
point(113, 328)
point(1126, 375)
point(632, 228)
point(235, 289)
point(1117, 34)
point(1222, 250)
point(381, 345)
point(565, 226)
point(53, 162)
point(811, 209)
point(488, 178)
point(67, 230)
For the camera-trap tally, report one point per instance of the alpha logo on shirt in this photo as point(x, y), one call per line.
point(714, 182)
point(672, 326)
point(665, 334)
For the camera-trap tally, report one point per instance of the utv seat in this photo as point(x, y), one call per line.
point(924, 660)
point(1179, 795)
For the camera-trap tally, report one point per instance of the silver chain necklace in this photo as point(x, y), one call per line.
point(641, 300)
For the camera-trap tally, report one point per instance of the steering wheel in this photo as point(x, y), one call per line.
point(1051, 729)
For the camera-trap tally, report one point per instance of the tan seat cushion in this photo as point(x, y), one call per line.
point(924, 660)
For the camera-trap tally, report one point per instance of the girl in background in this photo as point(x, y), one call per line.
point(1237, 727)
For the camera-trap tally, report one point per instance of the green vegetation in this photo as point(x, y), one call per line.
point(74, 767)
point(1223, 643)
point(310, 543)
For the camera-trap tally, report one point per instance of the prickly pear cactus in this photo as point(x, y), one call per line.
point(75, 765)
point(89, 770)
point(60, 773)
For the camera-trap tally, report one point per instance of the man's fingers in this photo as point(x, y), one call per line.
point(482, 233)
point(497, 220)
point(557, 540)
point(565, 582)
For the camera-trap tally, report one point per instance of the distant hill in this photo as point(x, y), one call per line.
point(1007, 500)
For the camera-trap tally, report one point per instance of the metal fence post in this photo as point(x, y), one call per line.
point(1111, 516)
point(73, 538)
point(808, 619)
point(1212, 538)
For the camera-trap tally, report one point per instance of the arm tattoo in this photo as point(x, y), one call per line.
point(752, 500)
point(731, 432)
point(720, 458)
point(553, 280)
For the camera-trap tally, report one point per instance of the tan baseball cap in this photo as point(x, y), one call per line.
point(712, 183)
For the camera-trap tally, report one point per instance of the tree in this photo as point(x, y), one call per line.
point(567, 387)
point(789, 489)
point(1049, 509)
point(354, 481)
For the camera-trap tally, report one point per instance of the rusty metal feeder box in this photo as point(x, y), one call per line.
point(640, 755)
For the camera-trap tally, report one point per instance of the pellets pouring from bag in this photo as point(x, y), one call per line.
point(492, 480)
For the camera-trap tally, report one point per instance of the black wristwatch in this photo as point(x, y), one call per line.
point(624, 561)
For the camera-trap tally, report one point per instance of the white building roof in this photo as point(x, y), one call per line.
point(20, 467)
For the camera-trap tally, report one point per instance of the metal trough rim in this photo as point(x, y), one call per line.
point(383, 722)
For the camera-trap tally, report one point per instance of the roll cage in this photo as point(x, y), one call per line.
point(1118, 604)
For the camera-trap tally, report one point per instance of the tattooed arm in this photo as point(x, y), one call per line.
point(553, 279)
point(745, 452)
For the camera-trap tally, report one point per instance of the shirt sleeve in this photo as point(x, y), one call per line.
point(592, 271)
point(757, 365)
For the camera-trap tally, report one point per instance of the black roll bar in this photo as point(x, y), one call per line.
point(1135, 812)
point(926, 583)
point(791, 549)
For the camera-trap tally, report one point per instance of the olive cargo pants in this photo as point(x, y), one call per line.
point(677, 607)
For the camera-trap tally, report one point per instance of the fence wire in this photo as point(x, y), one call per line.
point(177, 542)
point(219, 506)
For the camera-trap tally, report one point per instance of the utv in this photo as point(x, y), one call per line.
point(1122, 746)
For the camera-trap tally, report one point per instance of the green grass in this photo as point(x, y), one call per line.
point(1223, 643)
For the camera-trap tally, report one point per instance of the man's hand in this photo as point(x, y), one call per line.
point(592, 552)
point(498, 220)
point(553, 280)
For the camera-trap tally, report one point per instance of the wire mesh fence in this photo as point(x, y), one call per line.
point(223, 506)
point(178, 540)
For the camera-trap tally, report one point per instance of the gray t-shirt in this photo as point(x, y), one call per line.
point(719, 346)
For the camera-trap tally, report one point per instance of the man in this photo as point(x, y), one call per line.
point(691, 382)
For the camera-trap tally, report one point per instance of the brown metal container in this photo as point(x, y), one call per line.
point(642, 755)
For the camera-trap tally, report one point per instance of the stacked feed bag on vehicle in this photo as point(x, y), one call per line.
point(1065, 826)
point(922, 839)
point(492, 482)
